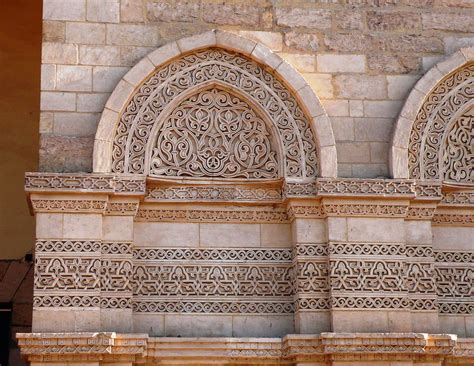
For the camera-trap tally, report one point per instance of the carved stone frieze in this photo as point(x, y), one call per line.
point(458, 198)
point(366, 209)
point(68, 205)
point(365, 187)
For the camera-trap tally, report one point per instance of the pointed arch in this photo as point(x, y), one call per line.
point(433, 136)
point(266, 82)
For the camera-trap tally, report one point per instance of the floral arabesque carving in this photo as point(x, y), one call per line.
point(214, 134)
point(168, 83)
point(440, 148)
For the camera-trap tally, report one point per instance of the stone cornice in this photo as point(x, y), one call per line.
point(138, 348)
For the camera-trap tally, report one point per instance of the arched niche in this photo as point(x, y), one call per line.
point(434, 134)
point(284, 131)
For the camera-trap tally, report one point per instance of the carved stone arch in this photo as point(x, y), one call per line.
point(270, 88)
point(434, 134)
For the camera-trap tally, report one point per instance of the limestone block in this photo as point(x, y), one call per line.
point(117, 228)
point(54, 31)
point(454, 324)
point(399, 321)
point(356, 108)
point(425, 322)
point(59, 53)
point(429, 80)
point(229, 235)
point(363, 321)
point(262, 54)
point(353, 152)
point(272, 40)
point(87, 320)
point(329, 156)
point(451, 63)
point(452, 44)
point(166, 234)
point(152, 324)
point(116, 320)
point(48, 77)
point(302, 41)
point(399, 86)
point(310, 102)
point(75, 124)
point(49, 225)
point(312, 322)
point(393, 21)
point(53, 320)
point(132, 35)
point(65, 154)
point(360, 86)
point(379, 152)
point(309, 231)
point(172, 11)
point(82, 226)
point(337, 228)
point(178, 325)
point(105, 130)
point(336, 107)
point(130, 55)
point(131, 11)
point(105, 79)
point(198, 41)
point(400, 64)
point(348, 20)
point(301, 62)
point(64, 9)
point(74, 78)
point(293, 78)
point(369, 170)
point(447, 21)
point(85, 33)
point(382, 108)
point(373, 129)
point(46, 122)
point(341, 63)
point(321, 84)
point(57, 101)
point(164, 54)
point(140, 71)
point(344, 170)
point(429, 61)
point(343, 128)
point(386, 230)
point(234, 42)
point(325, 135)
point(262, 325)
point(418, 232)
point(99, 55)
point(303, 17)
point(443, 238)
point(230, 14)
point(106, 11)
point(93, 102)
point(120, 95)
point(276, 235)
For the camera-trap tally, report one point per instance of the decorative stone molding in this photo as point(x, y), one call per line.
point(434, 130)
point(85, 183)
point(76, 205)
point(259, 76)
point(294, 348)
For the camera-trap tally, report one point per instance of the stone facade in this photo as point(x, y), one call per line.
point(218, 225)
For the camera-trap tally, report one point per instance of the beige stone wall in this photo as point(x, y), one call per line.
point(361, 58)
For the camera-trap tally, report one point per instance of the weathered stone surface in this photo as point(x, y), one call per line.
point(91, 102)
point(321, 84)
point(131, 11)
point(74, 78)
point(336, 107)
point(302, 41)
point(48, 77)
point(379, 152)
point(303, 17)
point(64, 9)
point(107, 11)
point(393, 64)
point(393, 21)
point(448, 21)
point(85, 33)
point(382, 108)
point(65, 154)
point(130, 55)
point(373, 129)
point(75, 124)
point(104, 79)
point(272, 40)
point(348, 20)
point(343, 128)
point(341, 63)
point(99, 55)
point(59, 53)
point(171, 11)
point(46, 122)
point(360, 86)
point(54, 31)
point(301, 62)
point(356, 108)
point(132, 35)
point(452, 44)
point(58, 101)
point(230, 14)
point(399, 86)
point(353, 152)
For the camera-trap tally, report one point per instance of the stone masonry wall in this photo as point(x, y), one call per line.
point(362, 58)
